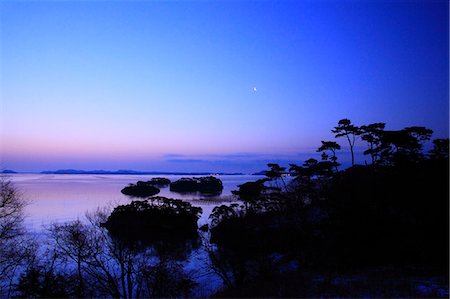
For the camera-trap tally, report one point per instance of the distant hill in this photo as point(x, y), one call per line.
point(121, 171)
point(8, 171)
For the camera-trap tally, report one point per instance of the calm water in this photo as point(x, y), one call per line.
point(64, 197)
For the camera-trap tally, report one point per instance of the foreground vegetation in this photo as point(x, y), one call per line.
point(388, 217)
point(373, 230)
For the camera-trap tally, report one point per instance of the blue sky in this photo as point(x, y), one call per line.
point(132, 84)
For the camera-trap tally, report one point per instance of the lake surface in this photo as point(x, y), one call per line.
point(65, 197)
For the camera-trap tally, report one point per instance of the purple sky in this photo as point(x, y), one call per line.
point(170, 86)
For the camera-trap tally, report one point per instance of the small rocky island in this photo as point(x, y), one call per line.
point(209, 185)
point(140, 189)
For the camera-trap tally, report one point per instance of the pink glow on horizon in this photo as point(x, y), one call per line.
point(89, 148)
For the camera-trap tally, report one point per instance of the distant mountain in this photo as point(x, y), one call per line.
point(8, 171)
point(122, 171)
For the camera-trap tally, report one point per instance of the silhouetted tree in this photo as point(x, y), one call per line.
point(250, 193)
point(11, 210)
point(72, 240)
point(107, 266)
point(39, 281)
point(310, 178)
point(310, 163)
point(15, 246)
point(440, 149)
point(223, 212)
point(218, 263)
point(166, 279)
point(372, 134)
point(403, 146)
point(332, 147)
point(346, 129)
point(419, 133)
point(312, 170)
point(276, 173)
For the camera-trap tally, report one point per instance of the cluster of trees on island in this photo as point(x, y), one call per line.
point(205, 185)
point(297, 238)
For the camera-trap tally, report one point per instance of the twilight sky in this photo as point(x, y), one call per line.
point(170, 85)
